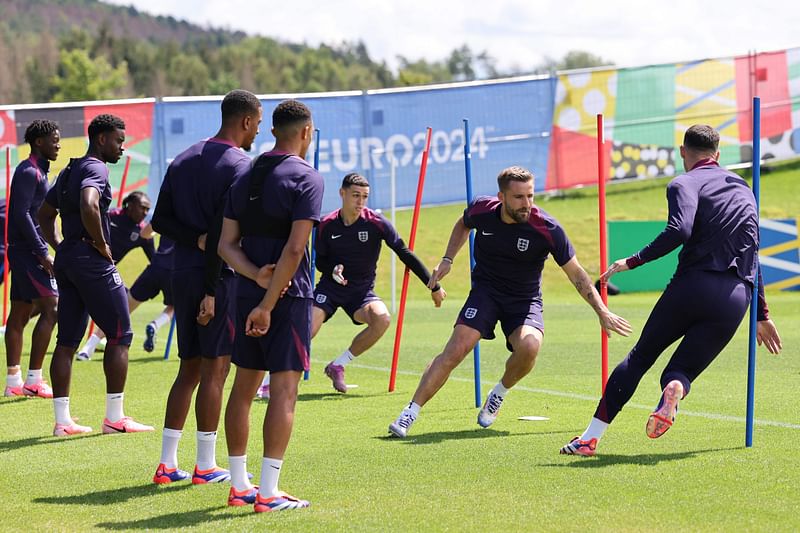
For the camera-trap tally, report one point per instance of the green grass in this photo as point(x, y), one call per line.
point(449, 474)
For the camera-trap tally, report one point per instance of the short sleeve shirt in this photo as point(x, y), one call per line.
point(509, 258)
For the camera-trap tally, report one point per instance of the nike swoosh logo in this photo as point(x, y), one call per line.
point(484, 233)
point(113, 224)
point(254, 198)
point(335, 236)
point(116, 429)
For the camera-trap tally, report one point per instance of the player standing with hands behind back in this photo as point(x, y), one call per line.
point(268, 221)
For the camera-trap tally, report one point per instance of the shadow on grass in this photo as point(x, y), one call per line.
point(170, 521)
point(441, 436)
point(147, 359)
point(113, 496)
point(11, 400)
point(477, 433)
point(333, 395)
point(642, 459)
point(8, 445)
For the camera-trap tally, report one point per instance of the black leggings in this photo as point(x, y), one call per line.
point(705, 308)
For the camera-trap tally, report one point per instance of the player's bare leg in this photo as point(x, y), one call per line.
point(237, 426)
point(377, 318)
point(462, 340)
point(525, 343)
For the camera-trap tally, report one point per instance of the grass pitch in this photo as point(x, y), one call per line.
point(449, 474)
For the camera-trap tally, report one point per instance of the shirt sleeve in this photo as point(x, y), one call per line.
point(96, 176)
point(308, 198)
point(166, 222)
point(682, 204)
point(469, 221)
point(149, 248)
point(23, 189)
point(409, 258)
point(562, 250)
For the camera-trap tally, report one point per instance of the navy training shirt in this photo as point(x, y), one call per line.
point(197, 181)
point(509, 258)
point(126, 235)
point(65, 195)
point(712, 212)
point(164, 253)
point(357, 247)
point(28, 189)
point(292, 191)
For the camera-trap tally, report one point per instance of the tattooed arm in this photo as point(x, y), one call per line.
point(583, 284)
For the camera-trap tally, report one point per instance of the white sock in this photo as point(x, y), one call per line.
point(160, 320)
point(500, 390)
point(14, 377)
point(34, 377)
point(91, 344)
point(595, 430)
point(265, 380)
point(414, 408)
point(206, 450)
point(114, 406)
point(270, 472)
point(169, 447)
point(238, 469)
point(61, 407)
point(345, 358)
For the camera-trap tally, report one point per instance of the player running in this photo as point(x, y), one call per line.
point(513, 238)
point(712, 213)
point(30, 263)
point(348, 246)
point(87, 278)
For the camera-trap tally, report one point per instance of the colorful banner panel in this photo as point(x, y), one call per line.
point(73, 122)
point(779, 255)
point(547, 124)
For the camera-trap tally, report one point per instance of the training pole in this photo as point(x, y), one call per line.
point(313, 241)
point(5, 235)
point(124, 179)
point(169, 337)
point(601, 196)
point(476, 351)
point(399, 332)
point(751, 352)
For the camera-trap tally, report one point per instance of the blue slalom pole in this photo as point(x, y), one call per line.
point(476, 352)
point(313, 234)
point(751, 353)
point(169, 337)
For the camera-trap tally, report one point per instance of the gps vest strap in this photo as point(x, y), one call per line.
point(256, 222)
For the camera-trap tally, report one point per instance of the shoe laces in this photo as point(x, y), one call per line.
point(405, 420)
point(493, 403)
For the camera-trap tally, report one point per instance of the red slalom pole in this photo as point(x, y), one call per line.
point(399, 332)
point(601, 195)
point(5, 235)
point(124, 179)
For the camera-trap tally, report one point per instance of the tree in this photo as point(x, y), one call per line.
point(574, 59)
point(80, 77)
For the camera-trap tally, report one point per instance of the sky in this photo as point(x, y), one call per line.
point(519, 33)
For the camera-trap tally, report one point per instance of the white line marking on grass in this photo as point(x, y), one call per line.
point(574, 396)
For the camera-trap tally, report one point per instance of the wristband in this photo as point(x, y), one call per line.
point(447, 259)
